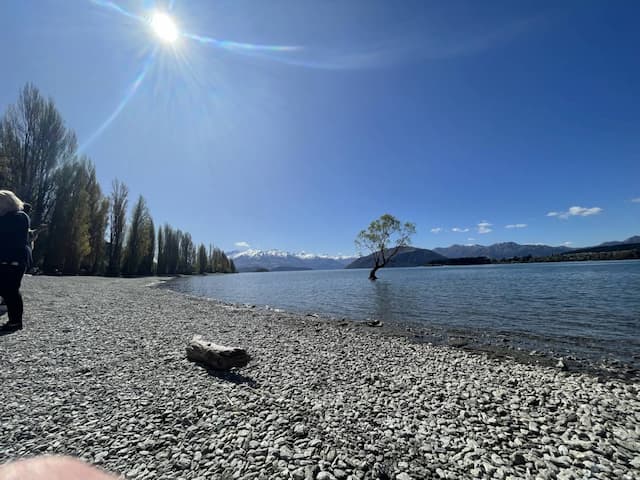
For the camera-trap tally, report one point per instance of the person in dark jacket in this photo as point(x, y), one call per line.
point(15, 255)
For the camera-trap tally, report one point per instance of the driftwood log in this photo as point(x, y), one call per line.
point(217, 357)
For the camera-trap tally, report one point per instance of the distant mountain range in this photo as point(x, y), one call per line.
point(499, 251)
point(634, 239)
point(278, 260)
point(406, 257)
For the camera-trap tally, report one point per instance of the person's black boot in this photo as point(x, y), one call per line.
point(11, 326)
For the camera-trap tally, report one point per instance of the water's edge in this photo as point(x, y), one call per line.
point(500, 345)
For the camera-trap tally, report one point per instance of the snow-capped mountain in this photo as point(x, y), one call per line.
point(252, 260)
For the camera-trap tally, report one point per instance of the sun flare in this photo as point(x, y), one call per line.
point(164, 27)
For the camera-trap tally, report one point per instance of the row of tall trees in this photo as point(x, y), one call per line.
point(81, 229)
point(177, 254)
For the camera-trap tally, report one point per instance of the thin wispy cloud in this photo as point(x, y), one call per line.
point(516, 225)
point(566, 244)
point(470, 239)
point(437, 230)
point(411, 45)
point(483, 227)
point(576, 212)
point(635, 200)
point(459, 230)
point(242, 245)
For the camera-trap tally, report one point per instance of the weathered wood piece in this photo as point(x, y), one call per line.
point(217, 357)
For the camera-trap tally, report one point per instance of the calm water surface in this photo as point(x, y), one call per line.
point(586, 308)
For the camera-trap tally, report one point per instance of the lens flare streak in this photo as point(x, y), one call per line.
point(118, 9)
point(131, 91)
point(223, 44)
point(264, 51)
point(238, 46)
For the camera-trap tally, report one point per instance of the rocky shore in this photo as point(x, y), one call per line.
point(99, 372)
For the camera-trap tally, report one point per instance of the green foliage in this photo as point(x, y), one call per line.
point(39, 162)
point(219, 262)
point(34, 141)
point(140, 245)
point(6, 180)
point(187, 257)
point(171, 250)
point(602, 252)
point(383, 239)
point(161, 268)
point(177, 253)
point(117, 224)
point(147, 266)
point(98, 214)
point(203, 260)
point(68, 237)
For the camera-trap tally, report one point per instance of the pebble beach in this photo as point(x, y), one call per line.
point(99, 372)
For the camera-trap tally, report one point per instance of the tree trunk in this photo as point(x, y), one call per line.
point(372, 274)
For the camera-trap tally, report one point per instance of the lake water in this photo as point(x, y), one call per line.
point(588, 309)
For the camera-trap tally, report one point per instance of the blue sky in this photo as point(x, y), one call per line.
point(454, 115)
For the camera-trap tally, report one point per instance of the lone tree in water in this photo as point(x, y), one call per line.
point(384, 238)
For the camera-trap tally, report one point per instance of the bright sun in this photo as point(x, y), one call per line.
point(164, 27)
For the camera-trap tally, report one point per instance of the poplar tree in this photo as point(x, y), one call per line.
point(117, 224)
point(187, 254)
point(98, 218)
point(34, 141)
point(147, 264)
point(5, 171)
point(202, 259)
point(161, 268)
point(38, 161)
point(137, 238)
point(68, 238)
point(219, 262)
point(172, 249)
